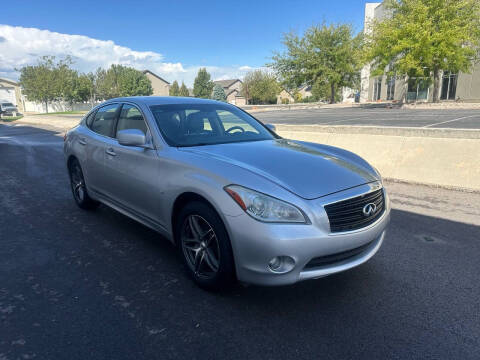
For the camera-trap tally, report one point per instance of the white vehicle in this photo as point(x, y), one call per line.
point(7, 108)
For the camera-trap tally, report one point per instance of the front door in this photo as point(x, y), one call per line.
point(101, 130)
point(133, 172)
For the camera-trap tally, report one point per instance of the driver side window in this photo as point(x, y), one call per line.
point(131, 118)
point(230, 120)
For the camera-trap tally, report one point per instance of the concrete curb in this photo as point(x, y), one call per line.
point(432, 160)
point(384, 130)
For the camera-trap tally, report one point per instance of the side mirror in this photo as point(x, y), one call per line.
point(271, 127)
point(131, 137)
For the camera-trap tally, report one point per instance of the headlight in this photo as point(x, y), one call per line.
point(263, 207)
point(378, 173)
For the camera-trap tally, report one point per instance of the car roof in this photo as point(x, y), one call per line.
point(164, 100)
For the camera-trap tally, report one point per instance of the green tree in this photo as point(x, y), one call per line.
point(219, 93)
point(103, 85)
point(67, 81)
point(41, 82)
point(184, 90)
point(93, 78)
point(297, 96)
point(134, 83)
point(322, 91)
point(202, 86)
point(107, 83)
point(74, 87)
point(84, 88)
point(120, 81)
point(327, 54)
point(260, 87)
point(423, 37)
point(174, 89)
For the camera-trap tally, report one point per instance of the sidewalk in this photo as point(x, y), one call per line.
point(59, 122)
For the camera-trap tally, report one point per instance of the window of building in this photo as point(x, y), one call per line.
point(390, 88)
point(418, 89)
point(449, 86)
point(377, 88)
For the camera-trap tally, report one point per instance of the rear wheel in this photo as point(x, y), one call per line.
point(79, 189)
point(205, 247)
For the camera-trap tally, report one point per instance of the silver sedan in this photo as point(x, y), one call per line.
point(239, 201)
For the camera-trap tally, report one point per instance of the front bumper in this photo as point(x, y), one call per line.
point(255, 243)
point(9, 113)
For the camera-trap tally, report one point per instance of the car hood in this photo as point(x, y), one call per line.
point(308, 170)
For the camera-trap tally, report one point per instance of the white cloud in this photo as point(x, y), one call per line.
point(21, 46)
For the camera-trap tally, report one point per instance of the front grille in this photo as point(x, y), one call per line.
point(348, 214)
point(335, 258)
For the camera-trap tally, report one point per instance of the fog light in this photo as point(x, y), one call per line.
point(281, 264)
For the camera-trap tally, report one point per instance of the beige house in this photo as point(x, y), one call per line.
point(161, 87)
point(10, 92)
point(305, 91)
point(233, 89)
point(285, 97)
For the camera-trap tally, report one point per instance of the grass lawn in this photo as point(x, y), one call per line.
point(10, 118)
point(66, 113)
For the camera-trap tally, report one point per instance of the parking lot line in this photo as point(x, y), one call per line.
point(449, 121)
point(343, 120)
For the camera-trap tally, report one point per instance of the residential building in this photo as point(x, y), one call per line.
point(289, 97)
point(305, 91)
point(10, 91)
point(454, 86)
point(161, 87)
point(285, 97)
point(233, 89)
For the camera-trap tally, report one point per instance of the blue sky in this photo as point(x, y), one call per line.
point(224, 34)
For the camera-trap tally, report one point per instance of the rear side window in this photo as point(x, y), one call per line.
point(131, 118)
point(104, 120)
point(89, 119)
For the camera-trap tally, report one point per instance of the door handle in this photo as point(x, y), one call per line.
point(110, 152)
point(82, 141)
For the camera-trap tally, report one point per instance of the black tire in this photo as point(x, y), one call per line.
point(205, 275)
point(79, 189)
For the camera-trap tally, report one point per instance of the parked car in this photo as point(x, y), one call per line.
point(238, 201)
point(7, 108)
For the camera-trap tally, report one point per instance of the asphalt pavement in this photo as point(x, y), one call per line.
point(97, 285)
point(365, 116)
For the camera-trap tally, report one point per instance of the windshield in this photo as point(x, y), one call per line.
point(206, 124)
point(7, 105)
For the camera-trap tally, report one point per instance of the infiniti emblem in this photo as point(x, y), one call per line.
point(369, 209)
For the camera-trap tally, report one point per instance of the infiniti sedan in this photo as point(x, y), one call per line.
point(239, 201)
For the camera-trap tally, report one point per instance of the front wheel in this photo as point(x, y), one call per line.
point(79, 189)
point(205, 247)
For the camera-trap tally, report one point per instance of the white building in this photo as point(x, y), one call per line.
point(454, 86)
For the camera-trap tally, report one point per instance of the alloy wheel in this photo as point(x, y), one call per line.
point(77, 183)
point(200, 246)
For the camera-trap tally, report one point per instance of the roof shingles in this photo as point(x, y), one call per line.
point(226, 83)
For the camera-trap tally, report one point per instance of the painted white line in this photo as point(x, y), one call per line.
point(352, 119)
point(449, 121)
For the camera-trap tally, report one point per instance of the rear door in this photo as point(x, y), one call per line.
point(132, 172)
point(101, 130)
